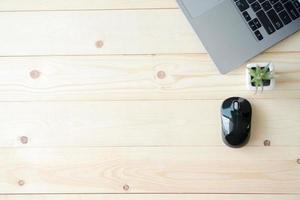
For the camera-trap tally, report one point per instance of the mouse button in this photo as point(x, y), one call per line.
point(226, 105)
point(228, 102)
point(245, 103)
point(226, 125)
point(248, 108)
point(246, 114)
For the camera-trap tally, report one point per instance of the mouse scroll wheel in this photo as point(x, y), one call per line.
point(236, 105)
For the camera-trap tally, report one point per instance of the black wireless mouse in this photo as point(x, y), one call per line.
point(236, 114)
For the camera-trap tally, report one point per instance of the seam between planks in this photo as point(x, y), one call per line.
point(130, 54)
point(87, 10)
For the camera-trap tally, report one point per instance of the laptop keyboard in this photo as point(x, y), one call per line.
point(272, 15)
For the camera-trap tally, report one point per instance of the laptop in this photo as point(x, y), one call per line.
point(234, 31)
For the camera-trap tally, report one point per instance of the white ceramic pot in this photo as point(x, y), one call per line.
point(248, 77)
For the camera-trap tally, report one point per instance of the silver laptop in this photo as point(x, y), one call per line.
point(233, 31)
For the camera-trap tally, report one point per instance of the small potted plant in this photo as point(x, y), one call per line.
point(260, 76)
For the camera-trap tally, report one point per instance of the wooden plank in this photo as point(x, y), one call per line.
point(140, 123)
point(16, 5)
point(150, 170)
point(103, 32)
point(135, 78)
point(152, 197)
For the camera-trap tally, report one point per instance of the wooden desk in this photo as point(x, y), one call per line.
point(105, 99)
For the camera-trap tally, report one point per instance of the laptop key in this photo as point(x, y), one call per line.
point(291, 10)
point(242, 5)
point(255, 6)
point(252, 25)
point(246, 16)
point(257, 23)
point(278, 7)
point(275, 19)
point(285, 17)
point(258, 35)
point(265, 22)
point(297, 4)
point(266, 6)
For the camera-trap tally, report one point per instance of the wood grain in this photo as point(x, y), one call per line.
point(152, 197)
point(135, 78)
point(120, 31)
point(150, 170)
point(100, 100)
point(141, 123)
point(16, 5)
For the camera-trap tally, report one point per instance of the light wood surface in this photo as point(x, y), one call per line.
point(105, 99)
point(151, 170)
point(151, 197)
point(134, 77)
point(13, 5)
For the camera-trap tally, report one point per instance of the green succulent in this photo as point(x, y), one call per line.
point(259, 75)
